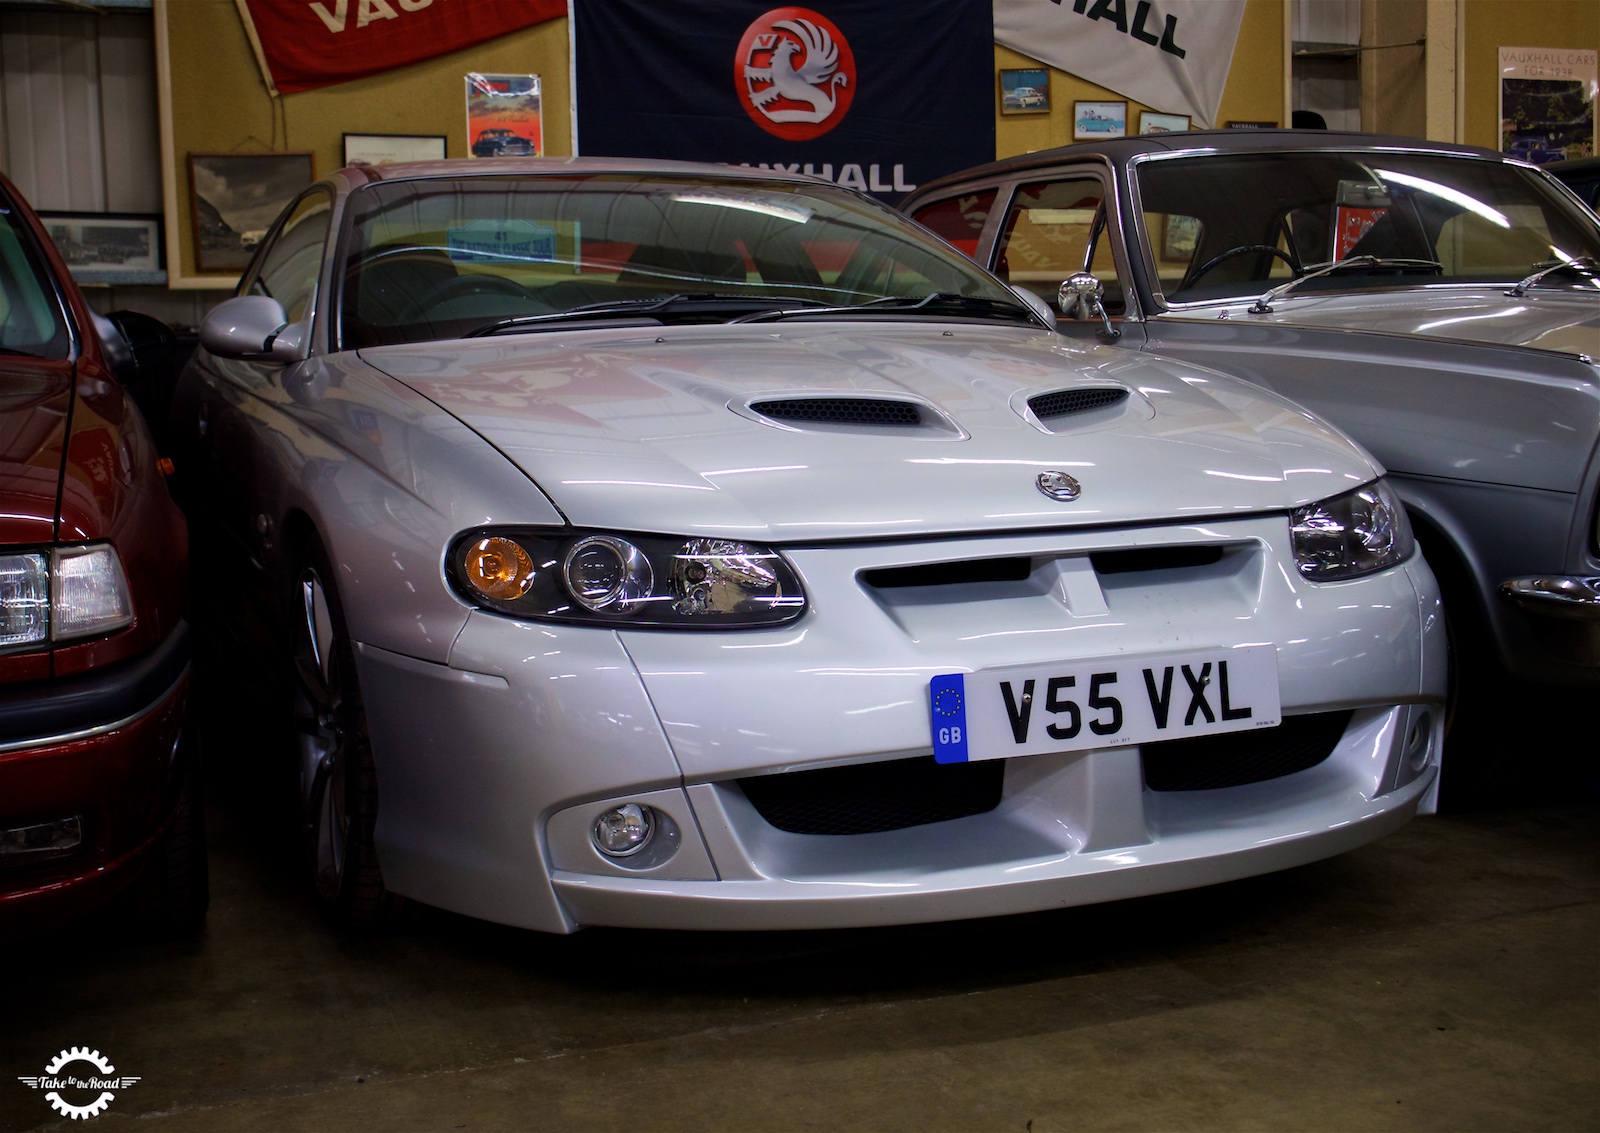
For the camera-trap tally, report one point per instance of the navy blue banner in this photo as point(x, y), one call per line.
point(879, 97)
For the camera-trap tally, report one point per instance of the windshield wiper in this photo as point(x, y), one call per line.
point(1263, 305)
point(1588, 265)
point(940, 302)
point(635, 307)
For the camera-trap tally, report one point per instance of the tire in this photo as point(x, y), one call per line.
point(338, 781)
point(173, 890)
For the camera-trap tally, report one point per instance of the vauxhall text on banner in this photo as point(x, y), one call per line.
point(851, 90)
point(1171, 55)
point(302, 45)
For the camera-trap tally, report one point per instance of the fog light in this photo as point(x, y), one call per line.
point(59, 837)
point(625, 830)
point(1417, 747)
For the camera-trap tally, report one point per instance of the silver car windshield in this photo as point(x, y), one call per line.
point(1223, 226)
point(437, 258)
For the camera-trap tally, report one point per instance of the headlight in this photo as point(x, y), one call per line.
point(607, 578)
point(1351, 535)
point(62, 594)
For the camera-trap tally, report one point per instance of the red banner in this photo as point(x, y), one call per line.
point(304, 44)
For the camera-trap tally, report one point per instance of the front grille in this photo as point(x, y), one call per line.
point(841, 411)
point(1013, 569)
point(1064, 402)
point(1233, 759)
point(869, 798)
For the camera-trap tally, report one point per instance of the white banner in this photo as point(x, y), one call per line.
point(1171, 55)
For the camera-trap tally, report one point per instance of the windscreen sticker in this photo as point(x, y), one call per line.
point(490, 241)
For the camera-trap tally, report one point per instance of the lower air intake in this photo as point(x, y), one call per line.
point(1233, 759)
point(870, 798)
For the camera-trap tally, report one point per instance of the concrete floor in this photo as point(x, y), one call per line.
point(1443, 978)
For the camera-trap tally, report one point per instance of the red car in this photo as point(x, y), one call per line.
point(97, 784)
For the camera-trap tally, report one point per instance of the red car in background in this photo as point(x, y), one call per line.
point(97, 783)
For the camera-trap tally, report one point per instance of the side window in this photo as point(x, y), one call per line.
point(288, 271)
point(1056, 228)
point(959, 220)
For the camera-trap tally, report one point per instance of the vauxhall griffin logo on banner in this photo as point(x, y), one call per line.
point(853, 91)
point(796, 72)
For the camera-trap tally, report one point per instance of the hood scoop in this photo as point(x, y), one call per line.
point(1049, 408)
point(896, 416)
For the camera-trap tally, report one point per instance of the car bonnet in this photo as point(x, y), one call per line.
point(673, 429)
point(1544, 318)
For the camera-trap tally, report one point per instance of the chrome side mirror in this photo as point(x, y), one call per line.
point(252, 328)
point(1080, 298)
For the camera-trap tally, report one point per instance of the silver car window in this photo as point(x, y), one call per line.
point(1224, 225)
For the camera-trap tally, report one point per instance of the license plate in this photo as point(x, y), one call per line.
point(1029, 710)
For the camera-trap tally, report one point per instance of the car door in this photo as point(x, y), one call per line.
point(222, 402)
point(1047, 227)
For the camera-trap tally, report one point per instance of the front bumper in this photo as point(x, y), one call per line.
point(493, 769)
point(95, 754)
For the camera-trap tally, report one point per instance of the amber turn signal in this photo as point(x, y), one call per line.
point(498, 568)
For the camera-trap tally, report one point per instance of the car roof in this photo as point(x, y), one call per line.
point(362, 174)
point(1121, 150)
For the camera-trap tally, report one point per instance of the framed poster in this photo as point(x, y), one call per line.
point(1547, 103)
point(235, 197)
point(504, 118)
point(93, 243)
point(1152, 123)
point(1099, 120)
point(375, 149)
point(1025, 91)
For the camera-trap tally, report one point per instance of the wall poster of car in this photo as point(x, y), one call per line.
point(1152, 123)
point(503, 116)
point(1025, 90)
point(1099, 120)
point(1547, 98)
point(235, 197)
point(375, 149)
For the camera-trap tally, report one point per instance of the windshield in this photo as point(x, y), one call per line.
point(30, 318)
point(431, 259)
point(1250, 222)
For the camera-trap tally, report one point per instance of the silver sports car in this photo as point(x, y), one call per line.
point(674, 545)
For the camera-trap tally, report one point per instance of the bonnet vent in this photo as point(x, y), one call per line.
point(840, 411)
point(1065, 402)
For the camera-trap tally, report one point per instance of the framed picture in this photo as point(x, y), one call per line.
point(1152, 123)
point(375, 149)
point(1099, 120)
point(100, 243)
point(505, 116)
point(1025, 91)
point(1178, 235)
point(235, 197)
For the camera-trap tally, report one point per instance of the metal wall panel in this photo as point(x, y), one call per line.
point(78, 123)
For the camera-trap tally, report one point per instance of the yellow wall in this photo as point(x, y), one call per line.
point(219, 102)
point(1489, 25)
point(215, 99)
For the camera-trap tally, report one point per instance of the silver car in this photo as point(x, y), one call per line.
point(681, 546)
point(1440, 303)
